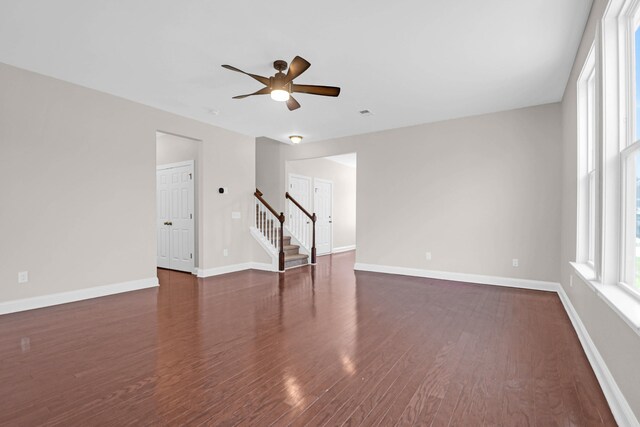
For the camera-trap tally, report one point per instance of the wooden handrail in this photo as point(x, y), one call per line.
point(258, 195)
point(304, 211)
point(313, 219)
point(266, 204)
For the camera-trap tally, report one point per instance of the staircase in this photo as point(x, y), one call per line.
point(269, 231)
point(292, 255)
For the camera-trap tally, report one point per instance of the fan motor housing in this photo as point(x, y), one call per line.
point(280, 65)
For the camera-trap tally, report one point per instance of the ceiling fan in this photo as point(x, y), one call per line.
point(281, 85)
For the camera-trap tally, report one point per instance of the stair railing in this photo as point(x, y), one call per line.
point(270, 224)
point(299, 226)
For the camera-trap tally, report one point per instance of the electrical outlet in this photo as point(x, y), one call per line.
point(235, 215)
point(515, 262)
point(225, 252)
point(428, 256)
point(23, 277)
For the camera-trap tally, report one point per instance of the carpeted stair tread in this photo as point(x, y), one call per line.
point(295, 257)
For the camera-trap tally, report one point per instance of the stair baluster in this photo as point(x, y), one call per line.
point(266, 218)
point(300, 226)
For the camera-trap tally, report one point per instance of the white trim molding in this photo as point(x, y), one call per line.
point(263, 266)
point(461, 277)
point(77, 295)
point(176, 165)
point(620, 408)
point(343, 249)
point(216, 271)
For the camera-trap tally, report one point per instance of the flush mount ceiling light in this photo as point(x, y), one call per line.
point(295, 139)
point(281, 85)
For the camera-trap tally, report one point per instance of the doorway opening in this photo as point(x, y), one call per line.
point(176, 202)
point(327, 187)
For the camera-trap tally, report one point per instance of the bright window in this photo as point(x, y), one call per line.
point(588, 173)
point(630, 276)
point(608, 214)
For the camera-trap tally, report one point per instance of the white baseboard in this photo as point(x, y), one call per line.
point(343, 249)
point(78, 295)
point(619, 406)
point(216, 271)
point(461, 277)
point(264, 266)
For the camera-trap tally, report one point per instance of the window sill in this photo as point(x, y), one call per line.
point(627, 307)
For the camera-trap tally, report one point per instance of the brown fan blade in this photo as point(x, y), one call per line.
point(298, 66)
point(292, 104)
point(263, 91)
point(263, 80)
point(316, 90)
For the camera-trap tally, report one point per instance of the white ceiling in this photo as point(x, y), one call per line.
point(409, 62)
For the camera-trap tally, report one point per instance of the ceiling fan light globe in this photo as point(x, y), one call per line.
point(280, 95)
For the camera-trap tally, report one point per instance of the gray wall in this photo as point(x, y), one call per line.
point(616, 342)
point(175, 149)
point(78, 171)
point(270, 182)
point(475, 192)
point(344, 194)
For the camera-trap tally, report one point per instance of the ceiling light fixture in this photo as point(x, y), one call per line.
point(295, 139)
point(279, 95)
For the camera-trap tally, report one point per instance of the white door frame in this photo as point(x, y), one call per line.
point(176, 165)
point(314, 206)
point(191, 207)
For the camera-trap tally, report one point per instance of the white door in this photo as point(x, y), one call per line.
point(175, 222)
point(323, 206)
point(299, 223)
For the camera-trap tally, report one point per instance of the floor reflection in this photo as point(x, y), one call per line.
point(179, 341)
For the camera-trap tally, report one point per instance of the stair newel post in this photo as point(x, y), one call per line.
point(313, 239)
point(281, 237)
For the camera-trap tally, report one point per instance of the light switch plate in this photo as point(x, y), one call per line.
point(236, 215)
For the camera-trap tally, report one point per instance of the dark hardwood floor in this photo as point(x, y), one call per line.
point(317, 345)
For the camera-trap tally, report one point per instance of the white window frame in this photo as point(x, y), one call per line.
point(588, 167)
point(613, 53)
point(629, 22)
point(627, 225)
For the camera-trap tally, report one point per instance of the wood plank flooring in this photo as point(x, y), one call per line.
point(316, 346)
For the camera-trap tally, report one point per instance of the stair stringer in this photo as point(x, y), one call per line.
point(266, 245)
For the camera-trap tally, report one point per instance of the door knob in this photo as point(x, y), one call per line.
point(168, 223)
